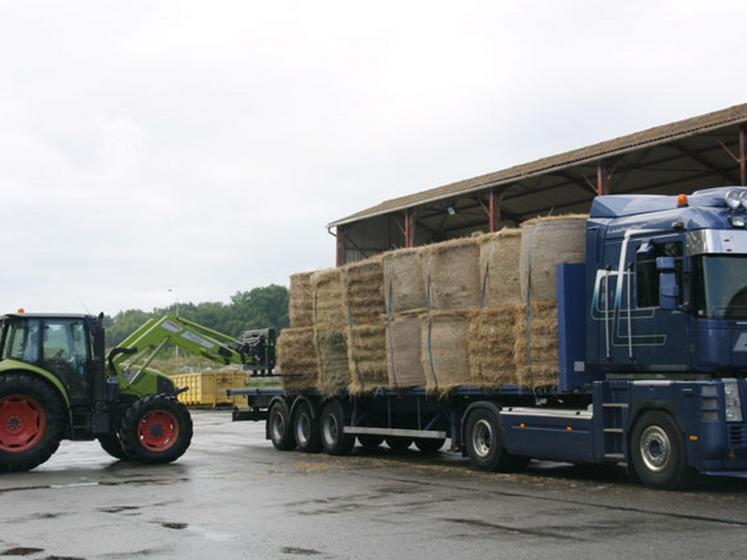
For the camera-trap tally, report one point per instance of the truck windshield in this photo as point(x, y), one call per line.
point(720, 289)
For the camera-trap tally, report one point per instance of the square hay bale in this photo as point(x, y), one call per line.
point(329, 299)
point(403, 350)
point(301, 300)
point(492, 334)
point(297, 361)
point(404, 280)
point(453, 273)
point(499, 268)
point(367, 357)
point(364, 291)
point(332, 352)
point(536, 350)
point(445, 349)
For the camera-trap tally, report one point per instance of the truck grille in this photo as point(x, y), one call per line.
point(736, 435)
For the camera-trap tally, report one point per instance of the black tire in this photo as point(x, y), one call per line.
point(484, 443)
point(658, 453)
point(398, 444)
point(428, 445)
point(279, 426)
point(111, 444)
point(332, 421)
point(155, 429)
point(32, 411)
point(370, 442)
point(306, 429)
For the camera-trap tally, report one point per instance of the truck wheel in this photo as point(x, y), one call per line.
point(279, 427)
point(334, 440)
point(485, 446)
point(32, 420)
point(111, 444)
point(398, 444)
point(657, 449)
point(156, 429)
point(428, 445)
point(306, 429)
point(370, 442)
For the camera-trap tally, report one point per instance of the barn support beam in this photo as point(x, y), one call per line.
point(603, 179)
point(494, 211)
point(410, 227)
point(743, 156)
point(340, 243)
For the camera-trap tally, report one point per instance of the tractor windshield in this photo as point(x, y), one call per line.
point(720, 287)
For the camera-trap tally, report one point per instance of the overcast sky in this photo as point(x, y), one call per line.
point(203, 146)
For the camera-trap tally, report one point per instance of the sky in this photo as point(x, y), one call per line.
point(161, 151)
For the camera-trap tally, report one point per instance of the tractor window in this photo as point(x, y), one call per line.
point(22, 341)
point(65, 353)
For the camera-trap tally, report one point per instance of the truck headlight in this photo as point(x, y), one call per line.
point(732, 401)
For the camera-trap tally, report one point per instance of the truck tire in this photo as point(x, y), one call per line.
point(657, 450)
point(111, 444)
point(155, 429)
point(429, 445)
point(32, 421)
point(306, 429)
point(370, 442)
point(332, 421)
point(279, 426)
point(398, 444)
point(483, 441)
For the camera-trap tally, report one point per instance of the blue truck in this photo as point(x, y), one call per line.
point(653, 355)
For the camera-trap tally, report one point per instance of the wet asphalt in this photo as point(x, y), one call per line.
point(233, 496)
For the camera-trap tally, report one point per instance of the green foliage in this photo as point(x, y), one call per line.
point(265, 307)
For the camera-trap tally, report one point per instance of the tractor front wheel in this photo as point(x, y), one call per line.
point(32, 420)
point(156, 429)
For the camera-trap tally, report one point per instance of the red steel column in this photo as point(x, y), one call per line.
point(603, 179)
point(743, 156)
point(410, 227)
point(340, 239)
point(494, 211)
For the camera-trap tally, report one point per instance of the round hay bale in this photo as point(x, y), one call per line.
point(445, 349)
point(453, 269)
point(364, 290)
point(546, 242)
point(301, 300)
point(329, 299)
point(332, 353)
point(491, 347)
point(367, 357)
point(536, 350)
point(403, 350)
point(296, 358)
point(404, 281)
point(499, 268)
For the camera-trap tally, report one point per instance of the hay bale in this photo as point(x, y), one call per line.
point(301, 300)
point(536, 344)
point(445, 349)
point(546, 242)
point(491, 347)
point(499, 268)
point(364, 291)
point(403, 350)
point(328, 299)
point(332, 352)
point(296, 359)
point(404, 280)
point(453, 269)
point(367, 357)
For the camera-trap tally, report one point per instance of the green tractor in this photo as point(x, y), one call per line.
point(56, 383)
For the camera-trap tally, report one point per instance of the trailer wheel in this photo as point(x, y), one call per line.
point(279, 427)
point(398, 444)
point(32, 419)
point(485, 446)
point(370, 442)
point(657, 449)
point(306, 429)
point(429, 445)
point(111, 444)
point(156, 429)
point(334, 440)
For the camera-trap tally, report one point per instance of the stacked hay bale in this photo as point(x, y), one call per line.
point(301, 301)
point(545, 242)
point(405, 299)
point(453, 290)
point(296, 358)
point(492, 329)
point(366, 327)
point(330, 326)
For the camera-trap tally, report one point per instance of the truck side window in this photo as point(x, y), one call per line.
point(646, 275)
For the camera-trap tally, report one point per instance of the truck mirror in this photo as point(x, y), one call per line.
point(664, 264)
point(669, 290)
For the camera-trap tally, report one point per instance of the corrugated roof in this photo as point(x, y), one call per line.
point(631, 142)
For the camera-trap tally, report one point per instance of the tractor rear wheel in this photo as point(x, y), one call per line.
point(156, 429)
point(111, 444)
point(32, 420)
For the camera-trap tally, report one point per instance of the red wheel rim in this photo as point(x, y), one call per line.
point(158, 430)
point(22, 423)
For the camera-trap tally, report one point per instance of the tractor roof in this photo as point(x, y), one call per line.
point(48, 315)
